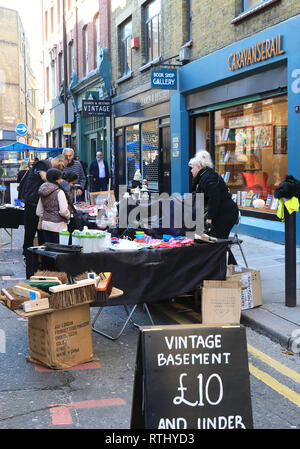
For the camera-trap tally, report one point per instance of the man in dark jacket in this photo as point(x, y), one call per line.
point(75, 167)
point(34, 179)
point(99, 174)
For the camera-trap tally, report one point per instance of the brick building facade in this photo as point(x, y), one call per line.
point(87, 48)
point(16, 105)
point(144, 36)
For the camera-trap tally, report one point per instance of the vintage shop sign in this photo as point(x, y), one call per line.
point(96, 108)
point(258, 52)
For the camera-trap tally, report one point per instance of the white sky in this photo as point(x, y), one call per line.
point(30, 14)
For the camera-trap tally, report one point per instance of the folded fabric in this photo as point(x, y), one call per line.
point(292, 205)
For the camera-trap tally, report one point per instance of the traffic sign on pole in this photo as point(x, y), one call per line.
point(21, 129)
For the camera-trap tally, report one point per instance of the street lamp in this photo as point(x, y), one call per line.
point(68, 138)
point(25, 77)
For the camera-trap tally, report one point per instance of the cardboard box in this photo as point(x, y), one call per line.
point(251, 285)
point(37, 304)
point(221, 302)
point(61, 339)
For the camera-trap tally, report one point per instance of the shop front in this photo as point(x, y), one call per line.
point(142, 138)
point(241, 104)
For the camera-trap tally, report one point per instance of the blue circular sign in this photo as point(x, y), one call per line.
point(21, 129)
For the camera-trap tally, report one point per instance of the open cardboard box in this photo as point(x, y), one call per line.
point(221, 302)
point(250, 282)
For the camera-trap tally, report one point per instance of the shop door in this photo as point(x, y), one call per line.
point(93, 149)
point(165, 160)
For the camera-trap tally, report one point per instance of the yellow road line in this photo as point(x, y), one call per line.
point(189, 312)
point(274, 364)
point(285, 391)
point(174, 316)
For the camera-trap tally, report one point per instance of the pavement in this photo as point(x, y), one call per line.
point(273, 318)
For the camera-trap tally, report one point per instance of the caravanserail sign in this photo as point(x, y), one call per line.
point(256, 53)
point(96, 108)
point(164, 79)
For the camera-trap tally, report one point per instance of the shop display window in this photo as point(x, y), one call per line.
point(251, 151)
point(132, 152)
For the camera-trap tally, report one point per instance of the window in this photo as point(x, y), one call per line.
point(46, 25)
point(85, 51)
point(52, 19)
point(47, 85)
point(58, 11)
point(71, 58)
point(126, 36)
point(60, 70)
point(251, 151)
point(152, 32)
point(250, 4)
point(53, 79)
point(132, 152)
point(96, 41)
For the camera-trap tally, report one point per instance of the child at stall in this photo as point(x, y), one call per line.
point(53, 207)
point(70, 179)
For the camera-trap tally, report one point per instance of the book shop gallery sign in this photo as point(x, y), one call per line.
point(256, 53)
point(192, 377)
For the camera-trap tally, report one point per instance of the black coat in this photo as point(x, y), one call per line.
point(94, 170)
point(288, 188)
point(218, 205)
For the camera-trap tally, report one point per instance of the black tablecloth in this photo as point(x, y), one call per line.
point(11, 218)
point(145, 275)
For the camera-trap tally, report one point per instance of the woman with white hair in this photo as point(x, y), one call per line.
point(221, 212)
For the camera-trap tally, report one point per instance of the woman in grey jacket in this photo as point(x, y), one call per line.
point(53, 207)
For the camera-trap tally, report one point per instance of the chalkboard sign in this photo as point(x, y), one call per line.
point(192, 377)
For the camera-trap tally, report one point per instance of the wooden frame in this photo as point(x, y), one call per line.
point(96, 198)
point(280, 140)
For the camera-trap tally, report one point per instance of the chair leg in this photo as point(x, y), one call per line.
point(129, 318)
point(240, 246)
point(111, 337)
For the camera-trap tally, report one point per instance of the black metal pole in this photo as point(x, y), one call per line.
point(290, 259)
point(25, 78)
point(68, 138)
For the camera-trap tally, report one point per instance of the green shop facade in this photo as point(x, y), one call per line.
point(93, 133)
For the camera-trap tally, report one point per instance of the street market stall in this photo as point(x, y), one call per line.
point(10, 218)
point(12, 158)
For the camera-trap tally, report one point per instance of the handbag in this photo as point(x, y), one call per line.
point(40, 224)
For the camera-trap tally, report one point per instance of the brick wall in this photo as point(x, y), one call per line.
point(173, 35)
point(212, 28)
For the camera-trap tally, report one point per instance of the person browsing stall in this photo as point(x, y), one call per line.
point(34, 179)
point(76, 167)
point(221, 212)
point(53, 206)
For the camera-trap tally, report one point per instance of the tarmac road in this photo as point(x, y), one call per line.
point(98, 395)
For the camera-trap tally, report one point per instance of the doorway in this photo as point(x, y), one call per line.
point(165, 160)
